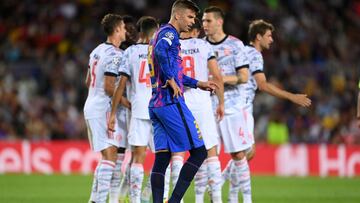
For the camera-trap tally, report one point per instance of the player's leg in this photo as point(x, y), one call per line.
point(116, 178)
point(105, 142)
point(140, 131)
point(200, 183)
point(214, 175)
point(177, 162)
point(167, 183)
point(137, 173)
point(162, 155)
point(236, 142)
point(184, 135)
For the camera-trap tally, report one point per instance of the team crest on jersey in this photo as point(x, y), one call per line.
point(116, 60)
point(169, 35)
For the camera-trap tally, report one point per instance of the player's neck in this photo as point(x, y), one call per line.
point(174, 24)
point(217, 37)
point(257, 46)
point(143, 41)
point(113, 41)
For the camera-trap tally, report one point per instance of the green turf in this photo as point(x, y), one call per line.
point(75, 189)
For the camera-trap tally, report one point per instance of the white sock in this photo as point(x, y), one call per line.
point(94, 185)
point(167, 182)
point(115, 180)
point(176, 165)
point(146, 193)
point(215, 178)
point(226, 171)
point(200, 180)
point(240, 180)
point(104, 175)
point(136, 179)
point(124, 184)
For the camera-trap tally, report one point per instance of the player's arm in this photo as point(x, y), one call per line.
point(116, 100)
point(109, 84)
point(263, 85)
point(88, 79)
point(218, 79)
point(242, 76)
point(189, 81)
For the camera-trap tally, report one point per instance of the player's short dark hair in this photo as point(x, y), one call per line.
point(185, 4)
point(196, 25)
point(146, 24)
point(259, 27)
point(109, 22)
point(128, 19)
point(219, 13)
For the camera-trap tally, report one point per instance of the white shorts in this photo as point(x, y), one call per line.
point(250, 125)
point(234, 132)
point(141, 133)
point(99, 136)
point(206, 120)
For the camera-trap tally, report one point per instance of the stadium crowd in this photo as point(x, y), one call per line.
point(44, 48)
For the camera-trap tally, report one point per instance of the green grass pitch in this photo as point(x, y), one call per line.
point(75, 189)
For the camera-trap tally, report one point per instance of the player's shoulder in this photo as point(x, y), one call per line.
point(168, 31)
point(234, 41)
point(252, 53)
point(110, 50)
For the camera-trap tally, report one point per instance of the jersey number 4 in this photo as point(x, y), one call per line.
point(144, 78)
point(188, 66)
point(93, 73)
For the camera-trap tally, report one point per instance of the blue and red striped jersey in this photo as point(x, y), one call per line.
point(165, 63)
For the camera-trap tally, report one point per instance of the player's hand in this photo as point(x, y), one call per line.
point(175, 87)
point(207, 86)
point(301, 99)
point(220, 111)
point(111, 123)
point(125, 102)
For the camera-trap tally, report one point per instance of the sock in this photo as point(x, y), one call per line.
point(201, 180)
point(240, 180)
point(215, 178)
point(162, 160)
point(94, 185)
point(115, 180)
point(176, 163)
point(187, 173)
point(167, 183)
point(226, 171)
point(245, 181)
point(104, 175)
point(136, 179)
point(124, 184)
point(146, 193)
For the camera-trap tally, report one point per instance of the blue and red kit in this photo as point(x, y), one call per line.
point(175, 128)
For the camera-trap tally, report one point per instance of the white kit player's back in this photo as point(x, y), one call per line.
point(104, 59)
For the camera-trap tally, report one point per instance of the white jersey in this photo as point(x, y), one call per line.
point(135, 66)
point(104, 60)
point(256, 65)
point(195, 54)
point(230, 57)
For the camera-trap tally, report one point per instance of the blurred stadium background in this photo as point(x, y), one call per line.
point(44, 48)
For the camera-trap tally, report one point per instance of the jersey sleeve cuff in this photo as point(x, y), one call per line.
point(241, 67)
point(110, 74)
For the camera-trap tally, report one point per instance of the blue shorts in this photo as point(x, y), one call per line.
point(175, 128)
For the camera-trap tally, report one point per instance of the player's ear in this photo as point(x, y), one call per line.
point(258, 36)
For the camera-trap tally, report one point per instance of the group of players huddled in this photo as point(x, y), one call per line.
point(137, 99)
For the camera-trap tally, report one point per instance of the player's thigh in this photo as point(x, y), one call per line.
point(208, 127)
point(160, 135)
point(180, 126)
point(140, 132)
point(99, 137)
point(234, 133)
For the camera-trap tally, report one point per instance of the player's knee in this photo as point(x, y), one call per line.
point(162, 160)
point(238, 155)
point(198, 155)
